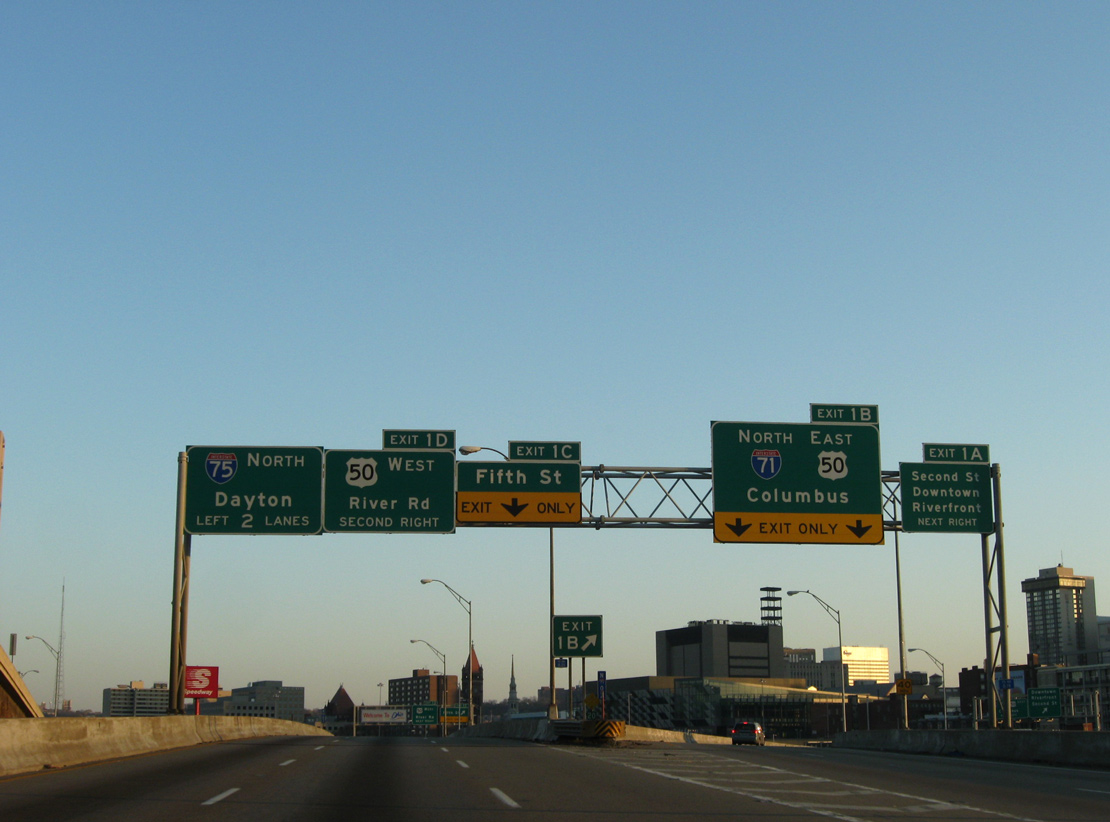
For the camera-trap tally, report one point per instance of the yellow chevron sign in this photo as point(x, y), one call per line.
point(531, 507)
point(838, 529)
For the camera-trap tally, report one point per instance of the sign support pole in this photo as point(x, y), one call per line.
point(177, 649)
point(901, 632)
point(553, 707)
point(1004, 622)
point(994, 564)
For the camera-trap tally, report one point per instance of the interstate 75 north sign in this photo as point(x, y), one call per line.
point(797, 482)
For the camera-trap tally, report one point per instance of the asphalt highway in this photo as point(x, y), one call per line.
point(309, 778)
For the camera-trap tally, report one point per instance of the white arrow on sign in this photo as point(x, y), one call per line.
point(590, 640)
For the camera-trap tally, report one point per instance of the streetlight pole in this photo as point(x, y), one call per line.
point(552, 708)
point(835, 614)
point(465, 603)
point(57, 664)
point(943, 692)
point(442, 695)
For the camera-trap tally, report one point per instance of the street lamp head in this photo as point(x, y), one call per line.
point(414, 640)
point(426, 581)
point(469, 449)
point(792, 593)
point(913, 649)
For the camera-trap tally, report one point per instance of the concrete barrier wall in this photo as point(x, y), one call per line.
point(34, 744)
point(539, 730)
point(634, 733)
point(1057, 747)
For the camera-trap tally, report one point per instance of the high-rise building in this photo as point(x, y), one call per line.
point(1060, 609)
point(801, 663)
point(267, 698)
point(718, 648)
point(423, 687)
point(137, 700)
point(862, 662)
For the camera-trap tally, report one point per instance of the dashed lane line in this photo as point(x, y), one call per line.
point(503, 797)
point(219, 797)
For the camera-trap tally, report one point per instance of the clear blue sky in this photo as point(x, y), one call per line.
point(301, 223)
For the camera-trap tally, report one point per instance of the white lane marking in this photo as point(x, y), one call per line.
point(318, 748)
point(463, 764)
point(1092, 790)
point(444, 750)
point(219, 797)
point(287, 762)
point(503, 797)
point(667, 770)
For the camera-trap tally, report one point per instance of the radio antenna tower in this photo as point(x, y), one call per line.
point(59, 668)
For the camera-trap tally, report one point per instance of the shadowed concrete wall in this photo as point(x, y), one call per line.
point(1058, 747)
point(34, 744)
point(15, 699)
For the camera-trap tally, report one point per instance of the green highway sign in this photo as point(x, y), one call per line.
point(865, 414)
point(576, 636)
point(946, 498)
point(953, 452)
point(418, 440)
point(1044, 703)
point(518, 492)
point(238, 489)
point(797, 482)
point(539, 451)
point(425, 714)
point(389, 491)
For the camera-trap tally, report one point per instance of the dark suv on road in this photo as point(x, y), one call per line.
point(748, 732)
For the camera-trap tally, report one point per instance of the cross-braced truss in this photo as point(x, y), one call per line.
point(617, 496)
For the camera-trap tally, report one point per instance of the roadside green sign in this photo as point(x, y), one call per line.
point(946, 498)
point(518, 492)
point(425, 714)
point(867, 414)
point(1044, 703)
point(389, 492)
point(956, 452)
point(553, 451)
point(239, 489)
point(418, 440)
point(797, 482)
point(576, 636)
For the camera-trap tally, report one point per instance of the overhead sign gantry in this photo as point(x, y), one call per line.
point(798, 482)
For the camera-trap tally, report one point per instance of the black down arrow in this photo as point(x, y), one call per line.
point(515, 508)
point(859, 529)
point(738, 527)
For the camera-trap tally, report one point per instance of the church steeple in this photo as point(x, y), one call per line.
point(514, 703)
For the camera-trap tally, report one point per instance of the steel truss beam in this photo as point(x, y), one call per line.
point(618, 496)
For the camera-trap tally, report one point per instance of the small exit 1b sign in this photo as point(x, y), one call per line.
point(576, 636)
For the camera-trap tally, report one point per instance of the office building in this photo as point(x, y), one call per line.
point(267, 698)
point(861, 663)
point(137, 700)
point(422, 687)
point(1060, 609)
point(801, 663)
point(719, 648)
